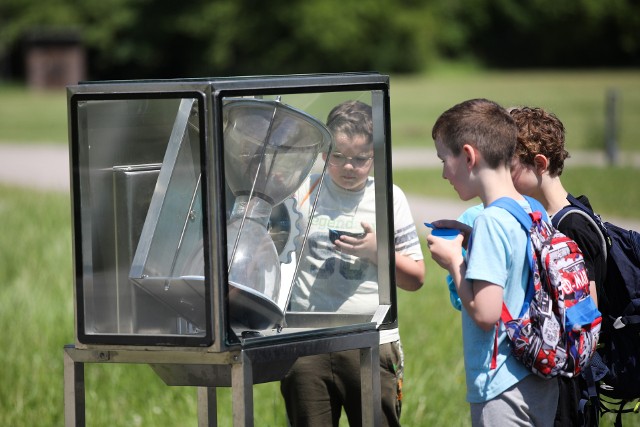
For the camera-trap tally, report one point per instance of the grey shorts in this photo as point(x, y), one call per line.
point(531, 402)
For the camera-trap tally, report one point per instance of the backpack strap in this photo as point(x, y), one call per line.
point(514, 208)
point(579, 208)
point(575, 202)
point(589, 404)
point(526, 221)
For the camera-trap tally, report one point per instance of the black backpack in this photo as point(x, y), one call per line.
point(619, 301)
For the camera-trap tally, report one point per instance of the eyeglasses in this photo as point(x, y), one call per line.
point(339, 159)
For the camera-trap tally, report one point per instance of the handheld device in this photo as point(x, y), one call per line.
point(445, 233)
point(335, 234)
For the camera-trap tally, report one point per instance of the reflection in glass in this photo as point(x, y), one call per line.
point(164, 264)
point(269, 149)
point(338, 268)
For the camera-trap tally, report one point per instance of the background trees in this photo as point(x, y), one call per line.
point(166, 39)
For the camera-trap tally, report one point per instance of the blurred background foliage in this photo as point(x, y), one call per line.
point(514, 51)
point(168, 39)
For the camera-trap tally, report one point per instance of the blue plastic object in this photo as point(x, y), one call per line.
point(445, 233)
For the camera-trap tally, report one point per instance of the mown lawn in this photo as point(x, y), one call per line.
point(36, 317)
point(36, 295)
point(579, 98)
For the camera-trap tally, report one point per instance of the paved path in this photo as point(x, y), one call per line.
point(433, 208)
point(35, 166)
point(426, 157)
point(47, 167)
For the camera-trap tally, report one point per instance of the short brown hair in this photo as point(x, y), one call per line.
point(481, 123)
point(351, 118)
point(540, 132)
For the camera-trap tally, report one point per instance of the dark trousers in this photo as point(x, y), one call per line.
point(317, 388)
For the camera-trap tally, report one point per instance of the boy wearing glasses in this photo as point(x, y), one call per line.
point(338, 273)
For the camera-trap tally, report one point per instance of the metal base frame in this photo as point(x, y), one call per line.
point(239, 370)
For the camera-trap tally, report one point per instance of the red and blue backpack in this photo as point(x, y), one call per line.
point(557, 330)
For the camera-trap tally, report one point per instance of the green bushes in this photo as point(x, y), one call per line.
point(145, 39)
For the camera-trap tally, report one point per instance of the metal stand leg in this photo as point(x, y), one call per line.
point(226, 369)
point(74, 406)
point(242, 391)
point(207, 407)
point(370, 386)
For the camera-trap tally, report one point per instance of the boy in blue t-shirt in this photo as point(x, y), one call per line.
point(476, 140)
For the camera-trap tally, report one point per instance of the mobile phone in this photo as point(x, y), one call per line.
point(335, 234)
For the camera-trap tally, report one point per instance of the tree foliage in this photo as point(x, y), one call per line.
point(548, 33)
point(166, 39)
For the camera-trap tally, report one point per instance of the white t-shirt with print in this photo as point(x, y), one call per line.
point(329, 280)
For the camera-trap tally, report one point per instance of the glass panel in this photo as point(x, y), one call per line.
point(294, 182)
point(288, 205)
point(270, 148)
point(169, 262)
point(138, 183)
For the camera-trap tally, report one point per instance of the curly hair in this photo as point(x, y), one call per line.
point(540, 132)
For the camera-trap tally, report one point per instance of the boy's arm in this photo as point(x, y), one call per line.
point(409, 272)
point(481, 299)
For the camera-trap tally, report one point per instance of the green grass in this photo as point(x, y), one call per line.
point(36, 317)
point(37, 320)
point(36, 295)
point(36, 305)
point(577, 98)
point(30, 116)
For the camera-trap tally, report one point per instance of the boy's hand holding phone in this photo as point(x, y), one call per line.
point(362, 245)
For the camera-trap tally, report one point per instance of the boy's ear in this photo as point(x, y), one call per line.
point(470, 154)
point(541, 163)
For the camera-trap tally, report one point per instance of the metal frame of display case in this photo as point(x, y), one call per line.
point(239, 369)
point(220, 358)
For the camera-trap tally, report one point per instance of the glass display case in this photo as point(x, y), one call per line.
point(190, 223)
point(205, 220)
